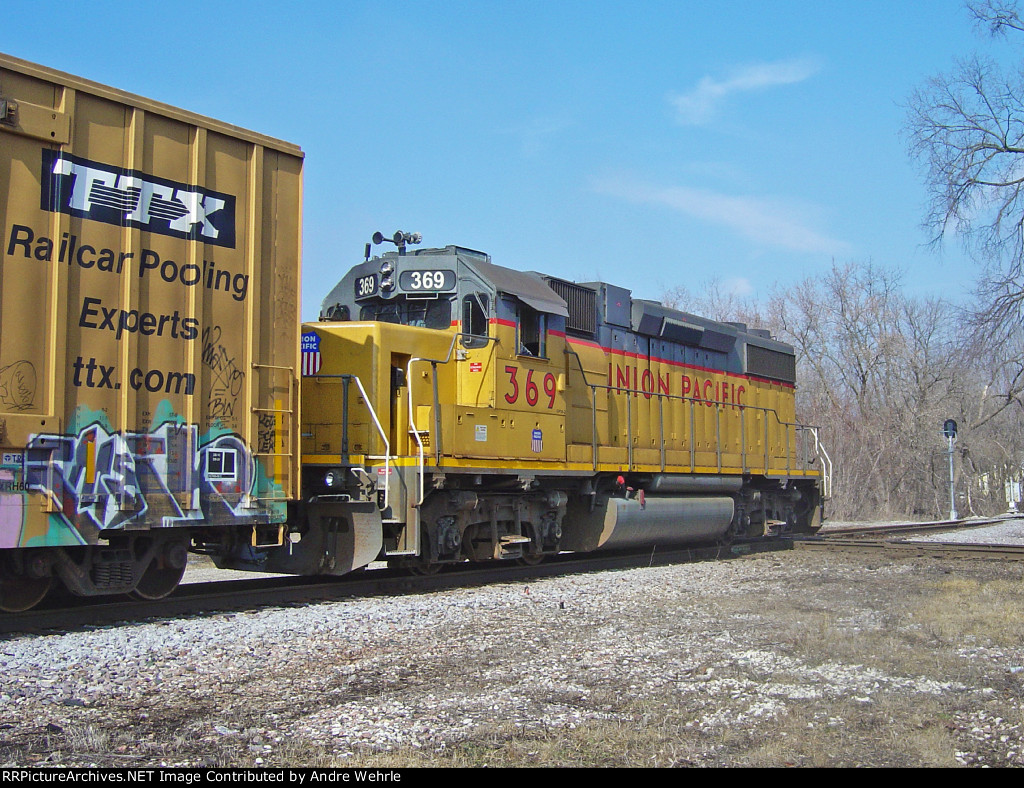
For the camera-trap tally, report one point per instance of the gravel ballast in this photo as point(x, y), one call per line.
point(780, 658)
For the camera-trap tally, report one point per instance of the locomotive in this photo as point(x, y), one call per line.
point(454, 409)
point(160, 396)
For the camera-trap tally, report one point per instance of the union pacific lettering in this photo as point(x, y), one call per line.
point(648, 383)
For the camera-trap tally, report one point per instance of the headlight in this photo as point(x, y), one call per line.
point(332, 478)
point(387, 267)
point(387, 283)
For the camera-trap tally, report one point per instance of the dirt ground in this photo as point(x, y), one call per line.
point(780, 659)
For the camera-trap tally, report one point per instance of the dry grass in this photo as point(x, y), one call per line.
point(965, 609)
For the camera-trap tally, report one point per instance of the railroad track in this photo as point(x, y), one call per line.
point(939, 525)
point(239, 595)
point(903, 548)
point(233, 596)
point(865, 540)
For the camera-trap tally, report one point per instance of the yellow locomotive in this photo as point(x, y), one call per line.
point(454, 409)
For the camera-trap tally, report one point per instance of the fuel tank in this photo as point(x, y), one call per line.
point(661, 520)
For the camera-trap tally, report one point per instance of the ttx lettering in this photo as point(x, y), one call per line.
point(138, 199)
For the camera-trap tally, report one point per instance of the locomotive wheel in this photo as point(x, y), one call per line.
point(19, 593)
point(806, 522)
point(163, 574)
point(531, 560)
point(421, 564)
point(807, 529)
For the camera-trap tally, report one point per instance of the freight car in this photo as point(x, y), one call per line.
point(158, 395)
point(149, 318)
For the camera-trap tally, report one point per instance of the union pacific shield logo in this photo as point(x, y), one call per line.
point(310, 353)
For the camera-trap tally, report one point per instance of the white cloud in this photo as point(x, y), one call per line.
point(700, 104)
point(738, 286)
point(765, 221)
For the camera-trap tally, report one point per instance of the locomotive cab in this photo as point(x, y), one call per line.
point(404, 404)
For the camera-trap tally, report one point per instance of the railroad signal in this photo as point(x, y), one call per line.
point(949, 432)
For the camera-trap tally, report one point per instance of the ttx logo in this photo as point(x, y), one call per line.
point(94, 191)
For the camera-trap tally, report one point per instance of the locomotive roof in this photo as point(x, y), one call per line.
point(527, 286)
point(643, 316)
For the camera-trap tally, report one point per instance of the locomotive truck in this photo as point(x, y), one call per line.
point(159, 395)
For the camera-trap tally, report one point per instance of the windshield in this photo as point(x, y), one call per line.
point(426, 313)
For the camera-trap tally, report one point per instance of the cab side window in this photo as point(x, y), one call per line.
point(532, 330)
point(474, 318)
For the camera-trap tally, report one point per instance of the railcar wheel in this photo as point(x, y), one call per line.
point(19, 593)
point(163, 574)
point(157, 582)
point(533, 559)
point(24, 580)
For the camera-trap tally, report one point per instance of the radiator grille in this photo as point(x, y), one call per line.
point(771, 364)
point(582, 305)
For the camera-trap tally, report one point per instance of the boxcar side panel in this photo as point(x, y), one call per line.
point(149, 313)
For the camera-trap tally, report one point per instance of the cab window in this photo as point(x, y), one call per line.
point(436, 313)
point(474, 315)
point(426, 313)
point(532, 331)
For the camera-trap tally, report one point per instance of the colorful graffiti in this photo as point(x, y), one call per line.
point(96, 479)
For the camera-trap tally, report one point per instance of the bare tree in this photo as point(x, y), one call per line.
point(880, 372)
point(715, 301)
point(997, 15)
point(966, 129)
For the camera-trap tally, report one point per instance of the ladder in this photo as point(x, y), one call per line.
point(275, 436)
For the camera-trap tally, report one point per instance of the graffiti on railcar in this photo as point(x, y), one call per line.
point(18, 386)
point(96, 479)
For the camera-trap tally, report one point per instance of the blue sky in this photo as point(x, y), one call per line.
point(648, 144)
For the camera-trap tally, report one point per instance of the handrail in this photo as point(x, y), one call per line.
point(826, 463)
point(593, 403)
point(420, 472)
point(380, 430)
point(719, 404)
point(412, 420)
point(819, 448)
